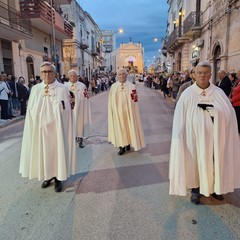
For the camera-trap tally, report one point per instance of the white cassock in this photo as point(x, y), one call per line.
point(48, 145)
point(81, 110)
point(124, 124)
point(204, 154)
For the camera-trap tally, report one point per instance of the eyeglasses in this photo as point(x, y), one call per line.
point(203, 73)
point(47, 72)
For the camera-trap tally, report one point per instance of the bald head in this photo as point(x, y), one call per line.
point(222, 74)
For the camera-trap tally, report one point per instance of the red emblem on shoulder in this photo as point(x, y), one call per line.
point(85, 93)
point(134, 95)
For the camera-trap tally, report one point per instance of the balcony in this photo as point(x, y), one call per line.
point(191, 29)
point(40, 13)
point(64, 2)
point(14, 25)
point(96, 51)
point(176, 39)
point(84, 43)
point(192, 25)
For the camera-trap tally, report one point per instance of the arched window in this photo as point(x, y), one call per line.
point(217, 61)
point(30, 67)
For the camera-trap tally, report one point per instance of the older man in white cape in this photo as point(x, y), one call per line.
point(48, 149)
point(124, 124)
point(81, 109)
point(205, 148)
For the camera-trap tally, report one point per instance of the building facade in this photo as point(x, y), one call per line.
point(50, 27)
point(203, 30)
point(128, 56)
point(84, 51)
point(14, 27)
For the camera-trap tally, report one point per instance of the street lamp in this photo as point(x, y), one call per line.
point(120, 30)
point(155, 39)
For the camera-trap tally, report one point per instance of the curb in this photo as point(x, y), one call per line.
point(4, 123)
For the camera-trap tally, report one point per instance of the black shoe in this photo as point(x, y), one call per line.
point(46, 183)
point(195, 196)
point(122, 151)
point(128, 147)
point(80, 142)
point(58, 185)
point(218, 197)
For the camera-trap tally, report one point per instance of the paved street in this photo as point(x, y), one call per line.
point(112, 197)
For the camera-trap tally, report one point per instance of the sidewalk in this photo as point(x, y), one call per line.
point(4, 123)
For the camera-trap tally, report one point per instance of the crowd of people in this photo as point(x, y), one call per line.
point(204, 146)
point(13, 96)
point(172, 85)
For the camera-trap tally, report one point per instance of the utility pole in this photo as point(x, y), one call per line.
point(53, 37)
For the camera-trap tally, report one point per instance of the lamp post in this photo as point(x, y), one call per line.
point(112, 43)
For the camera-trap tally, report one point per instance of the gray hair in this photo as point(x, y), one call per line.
point(48, 64)
point(122, 69)
point(72, 71)
point(204, 64)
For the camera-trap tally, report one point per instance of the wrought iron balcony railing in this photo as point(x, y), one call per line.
point(192, 22)
point(14, 19)
point(176, 33)
point(41, 12)
point(194, 19)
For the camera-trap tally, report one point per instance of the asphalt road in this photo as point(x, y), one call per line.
point(112, 197)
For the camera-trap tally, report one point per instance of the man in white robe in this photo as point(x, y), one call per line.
point(124, 124)
point(204, 153)
point(48, 149)
point(81, 109)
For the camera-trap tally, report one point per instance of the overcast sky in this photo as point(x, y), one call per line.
point(142, 20)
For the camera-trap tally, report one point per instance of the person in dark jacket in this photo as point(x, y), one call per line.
point(224, 82)
point(23, 95)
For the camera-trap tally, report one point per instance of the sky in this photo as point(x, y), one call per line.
point(142, 20)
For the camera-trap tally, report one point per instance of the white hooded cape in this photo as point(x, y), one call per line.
point(48, 145)
point(81, 110)
point(124, 124)
point(204, 154)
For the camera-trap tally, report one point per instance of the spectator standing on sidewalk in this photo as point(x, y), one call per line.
point(205, 148)
point(4, 91)
point(7, 79)
point(23, 95)
point(93, 85)
point(48, 149)
point(176, 84)
point(124, 124)
point(235, 99)
point(81, 110)
point(224, 82)
point(15, 101)
point(186, 84)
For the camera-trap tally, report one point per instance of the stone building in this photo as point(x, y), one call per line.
point(129, 56)
point(84, 51)
point(49, 29)
point(13, 28)
point(203, 30)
